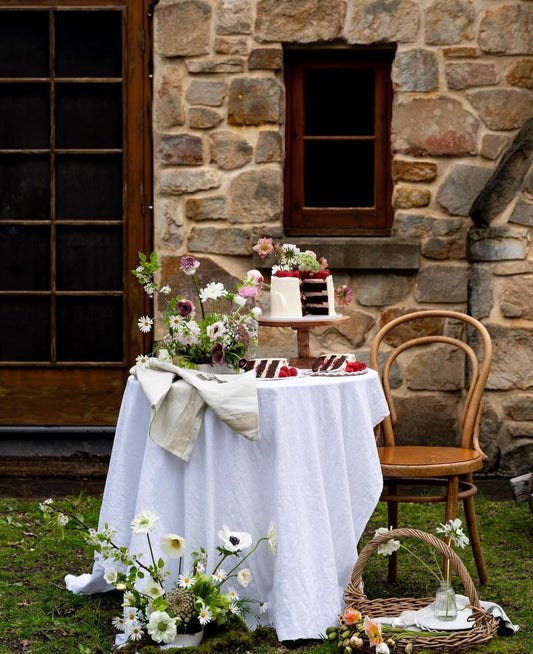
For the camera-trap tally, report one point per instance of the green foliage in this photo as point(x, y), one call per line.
point(39, 616)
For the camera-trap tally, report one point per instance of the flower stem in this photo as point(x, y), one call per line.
point(244, 559)
point(198, 293)
point(439, 579)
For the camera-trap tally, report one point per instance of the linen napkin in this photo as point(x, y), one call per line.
point(178, 398)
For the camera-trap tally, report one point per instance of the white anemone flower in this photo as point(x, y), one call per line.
point(110, 575)
point(386, 549)
point(453, 530)
point(213, 291)
point(152, 589)
point(161, 627)
point(244, 577)
point(272, 538)
point(145, 324)
point(172, 545)
point(144, 522)
point(215, 330)
point(234, 541)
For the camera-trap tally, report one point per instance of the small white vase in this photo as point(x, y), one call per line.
point(185, 640)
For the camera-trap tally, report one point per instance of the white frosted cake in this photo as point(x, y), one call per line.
point(285, 297)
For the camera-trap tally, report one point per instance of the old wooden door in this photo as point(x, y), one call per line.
point(74, 194)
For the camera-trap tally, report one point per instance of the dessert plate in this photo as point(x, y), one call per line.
point(336, 373)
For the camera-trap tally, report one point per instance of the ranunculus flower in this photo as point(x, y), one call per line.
point(185, 308)
point(323, 263)
point(248, 291)
point(189, 265)
point(254, 278)
point(263, 247)
point(244, 577)
point(258, 312)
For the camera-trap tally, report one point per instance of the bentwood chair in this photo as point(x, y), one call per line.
point(447, 469)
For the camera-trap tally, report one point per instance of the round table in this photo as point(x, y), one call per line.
point(302, 326)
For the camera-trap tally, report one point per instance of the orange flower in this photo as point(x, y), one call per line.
point(373, 631)
point(351, 616)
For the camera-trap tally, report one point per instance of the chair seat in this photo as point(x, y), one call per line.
point(420, 461)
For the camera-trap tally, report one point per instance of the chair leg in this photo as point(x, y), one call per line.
point(471, 523)
point(392, 516)
point(452, 503)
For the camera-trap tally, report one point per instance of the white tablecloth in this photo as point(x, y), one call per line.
point(315, 473)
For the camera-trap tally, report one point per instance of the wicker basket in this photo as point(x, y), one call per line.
point(484, 626)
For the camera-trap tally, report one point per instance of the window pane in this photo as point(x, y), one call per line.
point(25, 116)
point(89, 115)
point(89, 258)
point(88, 43)
point(24, 44)
point(89, 329)
point(25, 256)
point(89, 187)
point(339, 174)
point(24, 187)
point(339, 101)
point(29, 337)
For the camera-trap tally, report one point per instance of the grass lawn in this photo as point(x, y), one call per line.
point(38, 616)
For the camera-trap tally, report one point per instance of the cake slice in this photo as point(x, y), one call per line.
point(268, 368)
point(332, 362)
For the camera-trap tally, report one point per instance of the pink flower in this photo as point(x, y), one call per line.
point(189, 265)
point(343, 295)
point(323, 263)
point(185, 308)
point(217, 353)
point(373, 631)
point(248, 291)
point(264, 247)
point(351, 616)
point(253, 278)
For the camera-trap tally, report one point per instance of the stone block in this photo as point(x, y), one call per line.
point(407, 197)
point(501, 109)
point(203, 118)
point(382, 22)
point(442, 282)
point(440, 369)
point(427, 419)
point(206, 92)
point(254, 101)
point(229, 150)
point(462, 187)
point(507, 30)
point(268, 147)
point(229, 46)
point(182, 28)
point(519, 407)
point(256, 196)
point(180, 149)
point(438, 247)
point(415, 70)
point(522, 213)
point(215, 65)
point(395, 374)
point(168, 98)
point(460, 51)
point(434, 126)
point(169, 233)
point(344, 337)
point(265, 59)
point(177, 182)
point(493, 145)
point(380, 289)
point(520, 429)
point(512, 268)
point(210, 208)
point(489, 435)
point(512, 355)
point(414, 329)
point(496, 244)
point(219, 240)
point(234, 17)
point(480, 291)
point(517, 297)
point(299, 21)
point(521, 74)
point(449, 21)
point(516, 458)
point(462, 75)
point(414, 171)
point(417, 226)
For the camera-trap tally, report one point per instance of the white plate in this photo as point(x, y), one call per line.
point(428, 620)
point(278, 378)
point(336, 373)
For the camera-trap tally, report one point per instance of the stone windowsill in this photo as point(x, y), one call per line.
point(357, 253)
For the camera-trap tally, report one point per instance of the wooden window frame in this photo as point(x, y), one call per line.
point(337, 221)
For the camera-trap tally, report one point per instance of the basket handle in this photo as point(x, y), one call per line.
point(354, 585)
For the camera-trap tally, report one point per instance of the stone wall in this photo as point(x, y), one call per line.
point(463, 79)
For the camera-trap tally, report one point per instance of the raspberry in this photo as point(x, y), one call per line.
point(293, 372)
point(283, 372)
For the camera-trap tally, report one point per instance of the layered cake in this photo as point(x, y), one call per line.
point(286, 297)
point(333, 362)
point(318, 295)
point(297, 295)
point(268, 368)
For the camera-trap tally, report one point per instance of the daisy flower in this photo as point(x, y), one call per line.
point(233, 595)
point(233, 608)
point(174, 321)
point(134, 632)
point(144, 522)
point(234, 541)
point(199, 567)
point(263, 247)
point(185, 581)
point(244, 577)
point(218, 576)
point(161, 627)
point(204, 616)
point(145, 324)
point(131, 615)
point(143, 360)
point(172, 545)
point(119, 622)
point(263, 607)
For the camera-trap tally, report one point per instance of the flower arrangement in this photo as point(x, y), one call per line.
point(292, 262)
point(152, 613)
point(221, 334)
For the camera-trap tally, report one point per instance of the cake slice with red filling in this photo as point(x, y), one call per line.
point(332, 362)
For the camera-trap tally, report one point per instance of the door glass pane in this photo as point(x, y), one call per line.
point(89, 329)
point(25, 116)
point(339, 101)
point(88, 258)
point(88, 115)
point(24, 187)
point(88, 187)
point(24, 39)
point(25, 257)
point(339, 174)
point(30, 317)
point(88, 44)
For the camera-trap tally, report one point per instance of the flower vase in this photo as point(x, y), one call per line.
point(185, 640)
point(445, 602)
